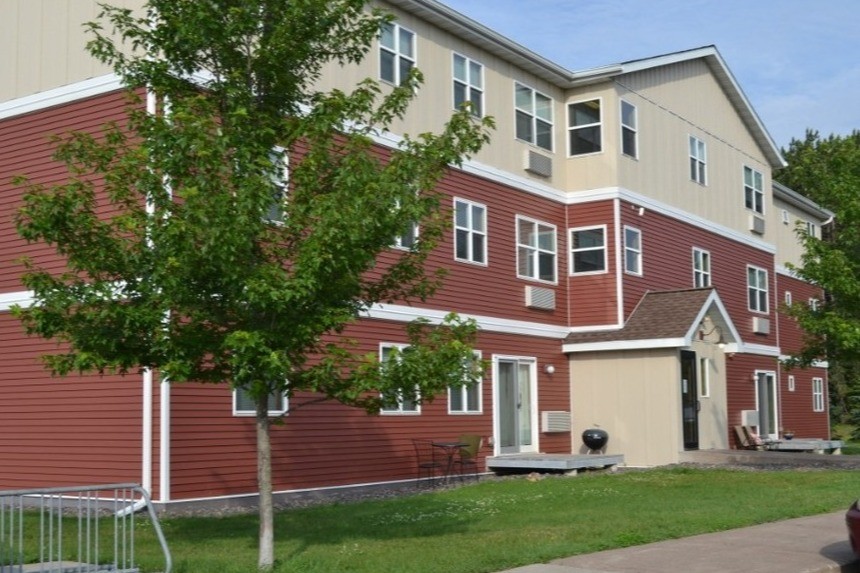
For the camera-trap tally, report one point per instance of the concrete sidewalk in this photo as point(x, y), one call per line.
point(816, 544)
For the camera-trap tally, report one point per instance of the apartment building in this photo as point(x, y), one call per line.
point(621, 244)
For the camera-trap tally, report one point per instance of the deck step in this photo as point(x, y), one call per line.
point(553, 462)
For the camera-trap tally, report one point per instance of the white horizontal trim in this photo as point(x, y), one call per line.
point(21, 298)
point(57, 96)
point(759, 349)
point(641, 344)
point(402, 313)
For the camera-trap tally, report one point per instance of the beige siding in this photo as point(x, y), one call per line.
point(43, 44)
point(788, 246)
point(635, 396)
point(434, 102)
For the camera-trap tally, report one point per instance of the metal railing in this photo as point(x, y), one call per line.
point(88, 529)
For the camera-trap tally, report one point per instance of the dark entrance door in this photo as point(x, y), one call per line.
point(689, 400)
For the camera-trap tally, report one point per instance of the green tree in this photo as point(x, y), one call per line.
point(827, 170)
point(232, 229)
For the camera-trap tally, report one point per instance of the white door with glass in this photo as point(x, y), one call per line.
point(516, 405)
point(766, 404)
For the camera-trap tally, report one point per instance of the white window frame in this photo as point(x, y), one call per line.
point(532, 113)
point(788, 298)
point(469, 84)
point(531, 252)
point(280, 180)
point(785, 217)
point(698, 152)
point(399, 410)
point(704, 377)
point(412, 229)
point(629, 128)
point(477, 388)
point(813, 304)
point(241, 412)
point(818, 394)
point(604, 249)
point(756, 288)
point(753, 190)
point(631, 253)
point(811, 229)
point(397, 52)
point(791, 383)
point(701, 275)
point(571, 117)
point(471, 232)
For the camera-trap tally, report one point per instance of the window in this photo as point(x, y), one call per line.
point(811, 229)
point(698, 161)
point(401, 403)
point(469, 84)
point(701, 268)
point(466, 399)
point(584, 127)
point(817, 394)
point(407, 238)
point(533, 116)
point(705, 377)
point(757, 289)
point(629, 133)
point(396, 53)
point(788, 298)
point(753, 190)
point(632, 251)
point(785, 218)
point(244, 405)
point(791, 382)
point(536, 250)
point(279, 178)
point(588, 250)
point(813, 304)
point(470, 232)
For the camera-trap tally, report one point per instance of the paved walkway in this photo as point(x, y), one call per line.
point(816, 544)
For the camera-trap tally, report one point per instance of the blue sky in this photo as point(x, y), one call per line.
point(798, 61)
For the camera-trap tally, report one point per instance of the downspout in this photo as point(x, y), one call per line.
point(164, 402)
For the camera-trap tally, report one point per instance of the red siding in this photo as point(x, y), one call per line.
point(592, 298)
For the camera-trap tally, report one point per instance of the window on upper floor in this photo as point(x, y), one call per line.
point(407, 238)
point(818, 394)
point(698, 161)
point(279, 178)
point(245, 405)
point(788, 298)
point(584, 127)
point(811, 229)
point(396, 53)
point(588, 250)
point(470, 232)
point(402, 402)
point(813, 304)
point(791, 384)
point(536, 250)
point(632, 251)
point(753, 190)
point(757, 289)
point(786, 219)
point(466, 399)
point(533, 116)
point(629, 130)
point(701, 268)
point(469, 84)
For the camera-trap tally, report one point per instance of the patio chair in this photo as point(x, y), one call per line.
point(743, 440)
point(428, 464)
point(467, 460)
point(760, 443)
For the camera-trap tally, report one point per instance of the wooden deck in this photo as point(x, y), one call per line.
point(567, 463)
point(808, 445)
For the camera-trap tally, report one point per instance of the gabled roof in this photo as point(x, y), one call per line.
point(520, 56)
point(801, 202)
point(664, 319)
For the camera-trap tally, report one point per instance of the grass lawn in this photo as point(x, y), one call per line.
point(499, 524)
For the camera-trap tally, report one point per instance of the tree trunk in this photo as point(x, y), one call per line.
point(264, 484)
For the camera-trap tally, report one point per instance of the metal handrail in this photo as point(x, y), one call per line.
point(52, 507)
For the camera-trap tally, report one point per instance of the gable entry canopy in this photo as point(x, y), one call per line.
point(663, 319)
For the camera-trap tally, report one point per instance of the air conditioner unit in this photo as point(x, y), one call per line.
point(757, 224)
point(761, 325)
point(554, 422)
point(538, 164)
point(539, 297)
